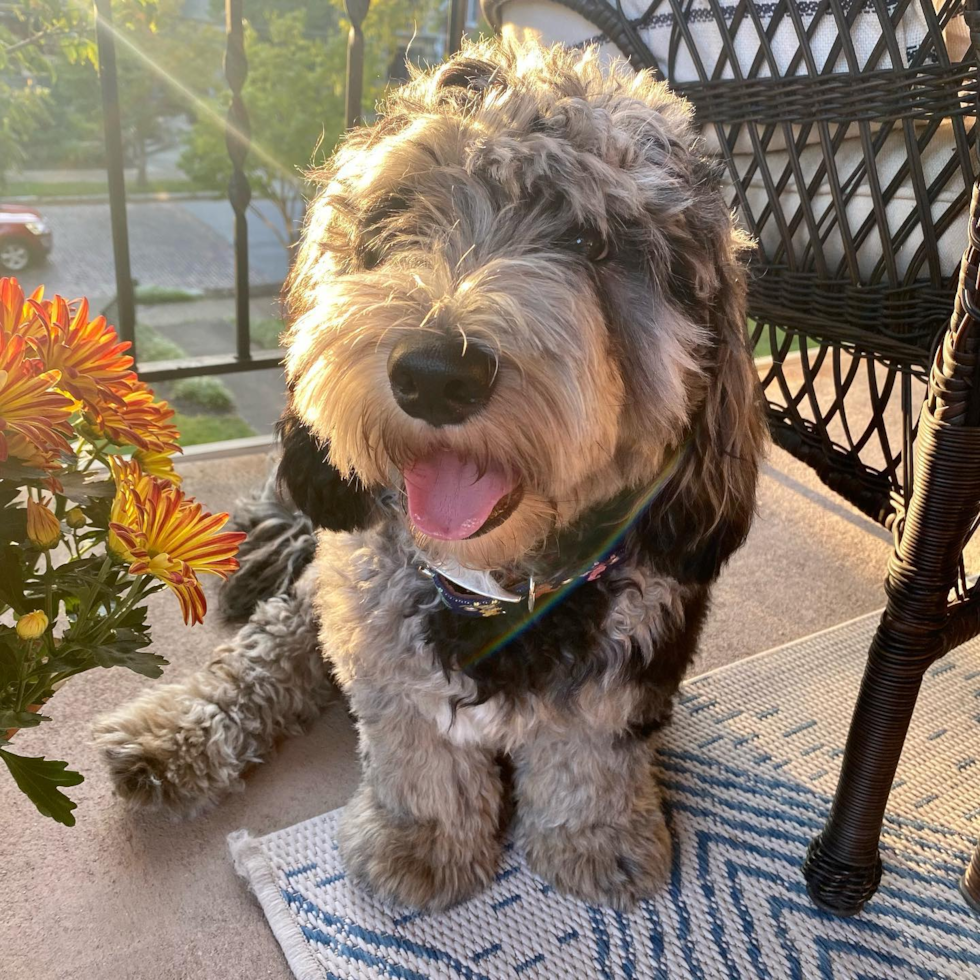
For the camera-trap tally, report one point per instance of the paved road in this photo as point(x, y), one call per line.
point(180, 244)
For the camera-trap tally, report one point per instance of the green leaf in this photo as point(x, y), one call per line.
point(82, 487)
point(11, 578)
point(20, 719)
point(17, 472)
point(8, 494)
point(39, 779)
point(127, 650)
point(13, 524)
point(135, 619)
point(9, 660)
point(71, 657)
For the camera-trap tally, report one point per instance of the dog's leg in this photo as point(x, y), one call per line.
point(422, 829)
point(183, 746)
point(589, 818)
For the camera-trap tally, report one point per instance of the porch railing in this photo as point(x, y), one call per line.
point(238, 142)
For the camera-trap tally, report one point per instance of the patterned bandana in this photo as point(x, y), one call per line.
point(602, 543)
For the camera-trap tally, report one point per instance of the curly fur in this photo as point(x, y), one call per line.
point(279, 546)
point(462, 211)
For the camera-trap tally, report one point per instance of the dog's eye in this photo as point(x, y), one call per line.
point(370, 256)
point(588, 243)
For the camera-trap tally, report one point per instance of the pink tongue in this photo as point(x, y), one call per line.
point(448, 499)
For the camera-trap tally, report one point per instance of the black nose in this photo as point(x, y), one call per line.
point(441, 381)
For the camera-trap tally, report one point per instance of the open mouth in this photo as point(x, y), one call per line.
point(451, 499)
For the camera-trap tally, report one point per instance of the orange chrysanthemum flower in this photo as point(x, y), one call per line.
point(163, 533)
point(33, 415)
point(137, 419)
point(90, 356)
point(17, 314)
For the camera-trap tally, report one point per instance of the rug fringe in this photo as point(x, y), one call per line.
point(252, 865)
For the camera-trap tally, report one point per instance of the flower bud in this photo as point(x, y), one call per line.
point(76, 518)
point(32, 625)
point(43, 528)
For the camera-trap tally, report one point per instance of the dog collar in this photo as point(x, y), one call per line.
point(476, 593)
point(468, 602)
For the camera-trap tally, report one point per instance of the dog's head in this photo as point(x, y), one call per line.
point(518, 292)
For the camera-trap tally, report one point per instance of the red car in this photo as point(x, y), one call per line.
point(25, 237)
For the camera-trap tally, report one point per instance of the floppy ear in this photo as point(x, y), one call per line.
point(706, 512)
point(317, 487)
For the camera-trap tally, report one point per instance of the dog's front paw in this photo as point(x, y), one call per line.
point(170, 750)
point(601, 864)
point(415, 863)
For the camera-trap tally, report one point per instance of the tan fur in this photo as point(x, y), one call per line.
point(449, 216)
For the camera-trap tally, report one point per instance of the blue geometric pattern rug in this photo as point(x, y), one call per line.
point(747, 767)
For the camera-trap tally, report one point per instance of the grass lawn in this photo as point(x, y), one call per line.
point(153, 346)
point(150, 295)
point(205, 406)
point(195, 429)
point(84, 188)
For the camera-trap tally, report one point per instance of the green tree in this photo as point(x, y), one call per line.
point(165, 63)
point(294, 95)
point(71, 134)
point(34, 36)
point(321, 18)
point(50, 104)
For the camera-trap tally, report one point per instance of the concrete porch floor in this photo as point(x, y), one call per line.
point(129, 896)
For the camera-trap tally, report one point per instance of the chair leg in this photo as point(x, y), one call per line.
point(970, 882)
point(842, 867)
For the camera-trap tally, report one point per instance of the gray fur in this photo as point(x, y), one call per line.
point(280, 544)
point(603, 371)
point(182, 747)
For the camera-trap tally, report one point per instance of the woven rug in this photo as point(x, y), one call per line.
point(747, 768)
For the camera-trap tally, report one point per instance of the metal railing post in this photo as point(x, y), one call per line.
point(456, 25)
point(356, 12)
point(238, 138)
point(112, 127)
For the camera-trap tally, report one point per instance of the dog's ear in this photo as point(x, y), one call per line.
point(316, 487)
point(707, 509)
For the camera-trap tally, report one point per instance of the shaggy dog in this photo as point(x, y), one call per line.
point(518, 378)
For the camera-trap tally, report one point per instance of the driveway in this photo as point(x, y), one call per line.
point(185, 244)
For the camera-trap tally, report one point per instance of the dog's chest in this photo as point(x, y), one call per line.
point(385, 630)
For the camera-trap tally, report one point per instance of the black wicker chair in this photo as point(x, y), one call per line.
point(811, 111)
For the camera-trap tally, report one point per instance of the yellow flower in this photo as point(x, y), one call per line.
point(157, 464)
point(75, 518)
point(33, 415)
point(163, 533)
point(32, 625)
point(125, 474)
point(43, 528)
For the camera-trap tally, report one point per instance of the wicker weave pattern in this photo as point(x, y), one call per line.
point(811, 271)
point(939, 91)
